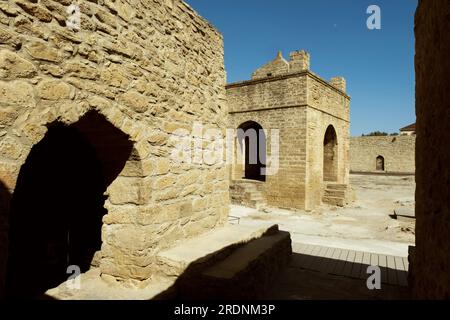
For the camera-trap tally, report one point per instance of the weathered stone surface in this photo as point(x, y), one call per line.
point(135, 101)
point(18, 93)
point(115, 77)
point(8, 174)
point(54, 90)
point(133, 69)
point(398, 153)
point(13, 66)
point(53, 70)
point(125, 191)
point(10, 148)
point(80, 69)
point(42, 51)
point(7, 117)
point(9, 9)
point(162, 166)
point(35, 10)
point(9, 37)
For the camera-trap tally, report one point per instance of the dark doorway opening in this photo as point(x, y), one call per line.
point(330, 155)
point(58, 204)
point(252, 140)
point(380, 163)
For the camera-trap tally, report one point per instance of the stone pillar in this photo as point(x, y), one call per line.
point(339, 82)
point(299, 61)
point(430, 274)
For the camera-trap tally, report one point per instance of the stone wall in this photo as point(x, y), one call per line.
point(286, 96)
point(284, 189)
point(149, 67)
point(431, 265)
point(398, 153)
point(317, 124)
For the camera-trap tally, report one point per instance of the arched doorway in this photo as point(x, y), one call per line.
point(380, 163)
point(252, 141)
point(57, 206)
point(330, 155)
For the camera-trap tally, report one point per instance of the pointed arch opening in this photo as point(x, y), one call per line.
point(58, 203)
point(330, 155)
point(252, 142)
point(380, 163)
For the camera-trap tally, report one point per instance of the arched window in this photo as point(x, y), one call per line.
point(380, 163)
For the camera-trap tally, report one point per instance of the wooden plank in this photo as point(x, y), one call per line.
point(312, 257)
point(402, 278)
point(402, 275)
point(399, 263)
point(326, 260)
point(356, 270)
point(320, 259)
point(298, 247)
point(406, 263)
point(305, 256)
point(338, 270)
point(298, 258)
point(382, 261)
point(347, 271)
point(392, 276)
point(333, 260)
point(374, 259)
point(365, 265)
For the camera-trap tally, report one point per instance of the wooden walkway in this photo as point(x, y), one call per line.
point(349, 263)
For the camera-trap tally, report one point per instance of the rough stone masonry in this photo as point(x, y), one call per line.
point(397, 154)
point(313, 119)
point(137, 70)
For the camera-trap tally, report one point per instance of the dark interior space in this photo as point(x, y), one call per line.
point(330, 155)
point(380, 163)
point(253, 141)
point(5, 198)
point(58, 204)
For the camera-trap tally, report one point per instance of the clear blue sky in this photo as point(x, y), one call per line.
point(378, 64)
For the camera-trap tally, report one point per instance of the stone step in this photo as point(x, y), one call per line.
point(247, 272)
point(249, 186)
point(195, 254)
point(260, 205)
point(256, 196)
point(336, 193)
point(335, 201)
point(336, 186)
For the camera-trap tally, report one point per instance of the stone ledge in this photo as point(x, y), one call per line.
point(248, 273)
point(284, 77)
point(208, 248)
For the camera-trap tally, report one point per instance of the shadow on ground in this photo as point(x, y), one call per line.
point(300, 282)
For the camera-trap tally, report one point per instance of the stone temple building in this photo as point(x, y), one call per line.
point(85, 122)
point(303, 119)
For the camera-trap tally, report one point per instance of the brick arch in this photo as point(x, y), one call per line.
point(33, 126)
point(118, 150)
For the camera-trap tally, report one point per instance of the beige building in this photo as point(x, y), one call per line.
point(408, 130)
point(302, 143)
point(86, 117)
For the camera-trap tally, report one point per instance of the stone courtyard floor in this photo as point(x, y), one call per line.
point(364, 227)
point(332, 248)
